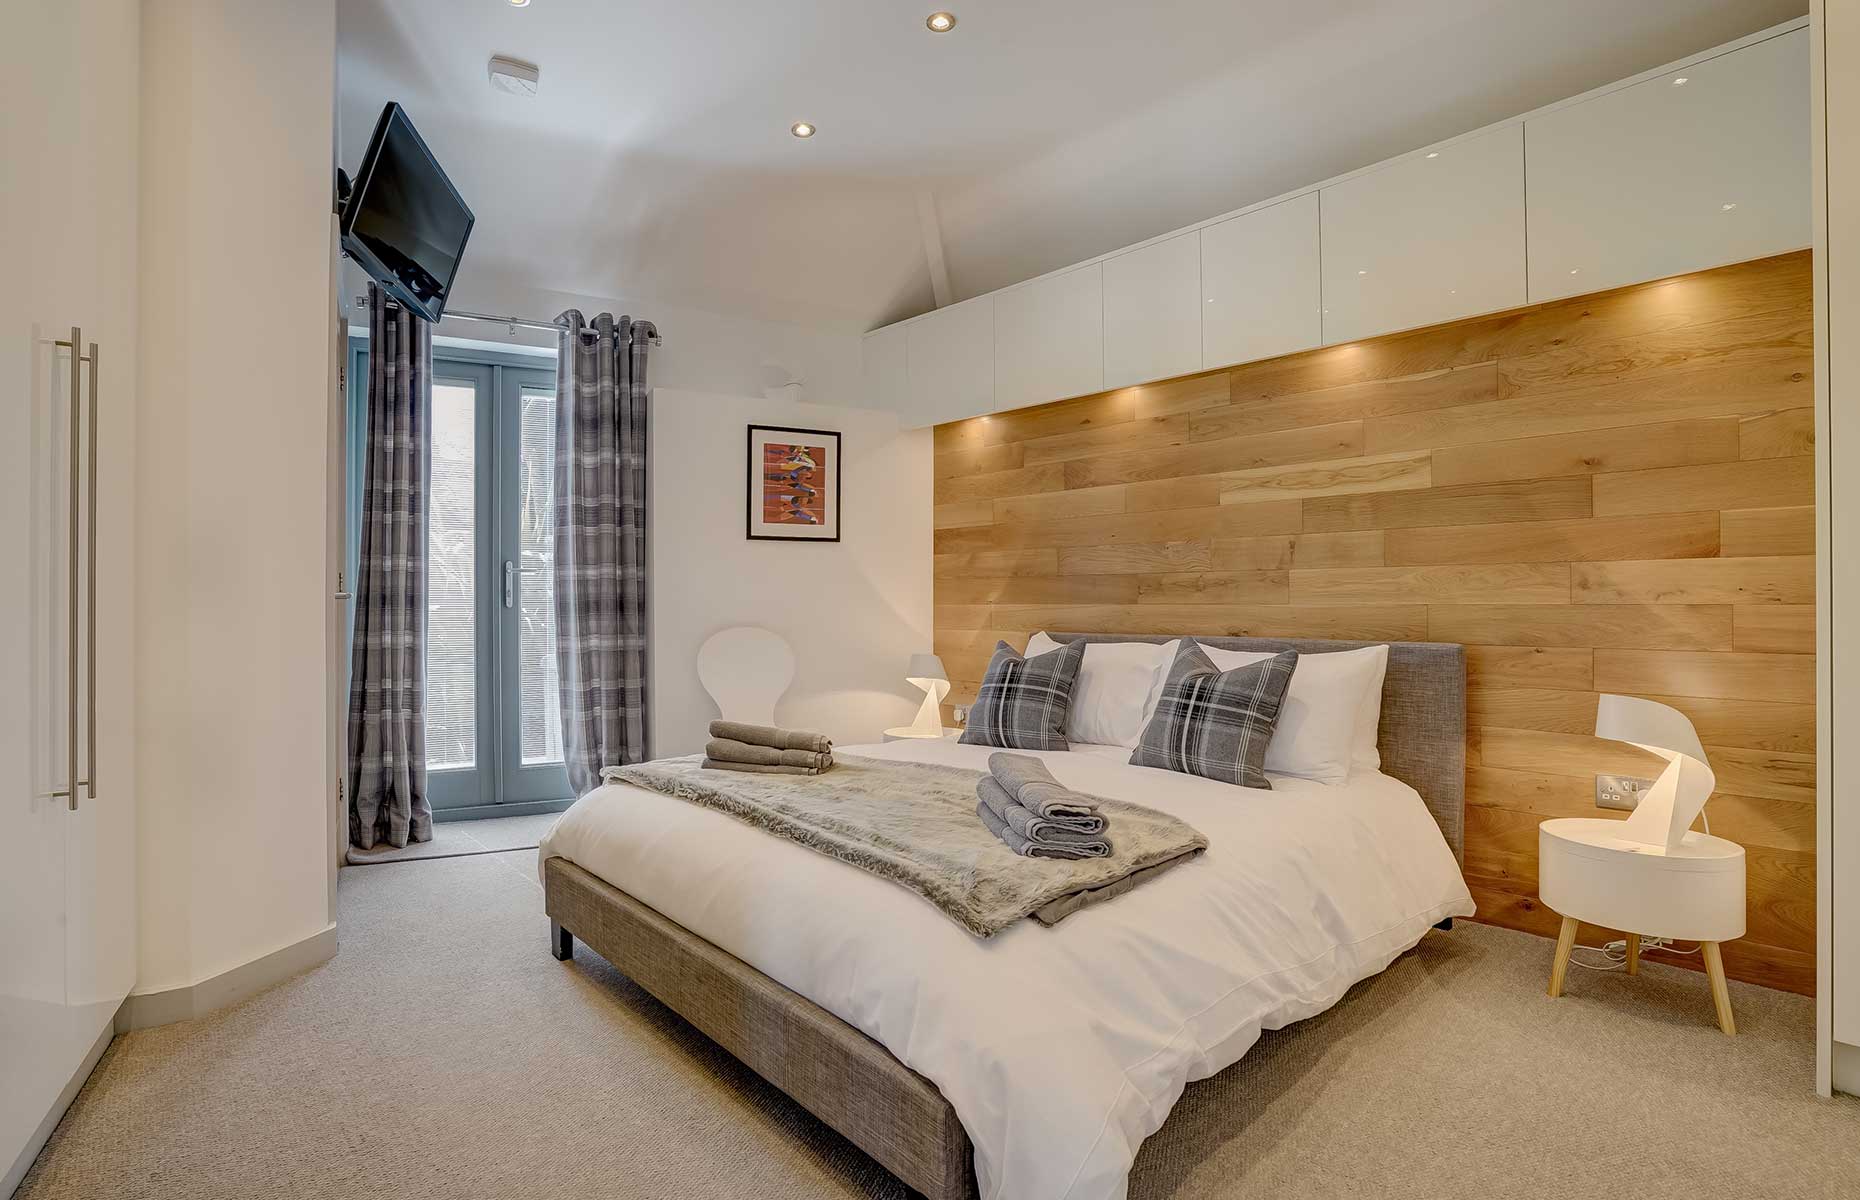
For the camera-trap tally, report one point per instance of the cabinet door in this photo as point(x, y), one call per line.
point(1049, 339)
point(1259, 284)
point(887, 370)
point(1152, 312)
point(1432, 237)
point(951, 355)
point(1694, 169)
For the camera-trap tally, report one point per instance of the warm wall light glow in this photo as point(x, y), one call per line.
point(940, 22)
point(801, 129)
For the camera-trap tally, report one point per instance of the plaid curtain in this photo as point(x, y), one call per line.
point(387, 687)
point(600, 543)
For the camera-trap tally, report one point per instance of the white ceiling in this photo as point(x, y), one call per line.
point(656, 164)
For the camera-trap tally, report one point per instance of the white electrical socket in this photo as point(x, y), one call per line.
point(1619, 791)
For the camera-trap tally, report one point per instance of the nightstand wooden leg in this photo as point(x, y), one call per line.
point(1720, 992)
point(1565, 941)
point(1633, 951)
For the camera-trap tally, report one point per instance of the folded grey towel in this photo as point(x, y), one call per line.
point(1028, 849)
point(768, 735)
point(1033, 787)
point(729, 750)
point(1035, 828)
point(712, 764)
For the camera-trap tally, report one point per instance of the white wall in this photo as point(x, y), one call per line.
point(234, 288)
point(1836, 24)
point(853, 610)
point(703, 351)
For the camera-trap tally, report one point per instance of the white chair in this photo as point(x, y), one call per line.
point(746, 670)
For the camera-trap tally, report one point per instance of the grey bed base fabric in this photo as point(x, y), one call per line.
point(1423, 734)
point(831, 1069)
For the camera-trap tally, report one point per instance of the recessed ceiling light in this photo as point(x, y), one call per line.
point(1362, 272)
point(1433, 154)
point(1680, 82)
point(519, 3)
point(1727, 207)
point(940, 22)
point(801, 129)
point(1574, 270)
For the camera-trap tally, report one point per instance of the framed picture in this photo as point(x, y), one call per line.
point(794, 484)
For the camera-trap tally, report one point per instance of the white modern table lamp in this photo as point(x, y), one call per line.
point(1667, 810)
point(926, 671)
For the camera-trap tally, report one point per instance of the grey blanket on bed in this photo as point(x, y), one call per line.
point(915, 824)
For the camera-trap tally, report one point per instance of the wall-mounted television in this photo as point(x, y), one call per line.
point(404, 222)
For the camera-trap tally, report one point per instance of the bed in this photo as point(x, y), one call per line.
point(1033, 1064)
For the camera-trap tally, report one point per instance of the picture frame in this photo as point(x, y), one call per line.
point(793, 485)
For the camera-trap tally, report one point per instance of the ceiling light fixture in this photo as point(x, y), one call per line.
point(519, 3)
point(940, 22)
point(801, 129)
point(1433, 154)
point(1727, 207)
point(1680, 82)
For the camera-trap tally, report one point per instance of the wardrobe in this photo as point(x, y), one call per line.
point(68, 352)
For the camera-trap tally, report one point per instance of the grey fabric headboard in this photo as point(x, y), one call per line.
point(1423, 734)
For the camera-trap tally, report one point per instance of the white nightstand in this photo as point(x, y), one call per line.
point(904, 733)
point(1586, 871)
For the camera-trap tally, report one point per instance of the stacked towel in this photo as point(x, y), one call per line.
point(1022, 804)
point(765, 750)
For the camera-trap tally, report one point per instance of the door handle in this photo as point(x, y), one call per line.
point(71, 577)
point(510, 584)
point(90, 599)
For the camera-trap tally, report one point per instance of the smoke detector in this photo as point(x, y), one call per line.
point(514, 75)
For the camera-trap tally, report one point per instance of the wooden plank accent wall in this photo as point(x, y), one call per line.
point(1611, 493)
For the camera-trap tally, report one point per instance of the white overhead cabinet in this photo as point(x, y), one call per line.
point(1152, 312)
point(885, 357)
point(1049, 338)
point(1695, 168)
point(1432, 237)
point(950, 358)
point(1259, 284)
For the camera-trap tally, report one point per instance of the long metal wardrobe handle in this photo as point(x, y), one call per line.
point(71, 576)
point(90, 599)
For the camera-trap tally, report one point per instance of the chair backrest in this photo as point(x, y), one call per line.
point(746, 670)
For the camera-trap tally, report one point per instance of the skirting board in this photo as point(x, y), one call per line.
point(148, 1009)
point(10, 1181)
point(1844, 1068)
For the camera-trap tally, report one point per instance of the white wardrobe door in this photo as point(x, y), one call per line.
point(1049, 339)
point(1694, 169)
point(1428, 238)
point(1259, 284)
point(884, 354)
point(1152, 312)
point(951, 357)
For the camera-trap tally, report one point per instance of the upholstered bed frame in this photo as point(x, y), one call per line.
point(850, 1081)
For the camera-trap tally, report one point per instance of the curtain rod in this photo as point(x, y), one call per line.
point(511, 323)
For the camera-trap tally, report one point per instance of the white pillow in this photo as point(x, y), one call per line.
point(1116, 690)
point(1316, 737)
point(1369, 719)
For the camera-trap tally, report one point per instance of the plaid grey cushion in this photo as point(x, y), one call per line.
point(1216, 724)
point(1022, 702)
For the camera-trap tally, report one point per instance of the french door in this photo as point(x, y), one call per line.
point(493, 721)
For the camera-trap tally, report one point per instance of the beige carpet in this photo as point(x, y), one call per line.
point(443, 1053)
point(454, 839)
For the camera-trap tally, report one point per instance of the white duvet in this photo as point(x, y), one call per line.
point(1060, 1048)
